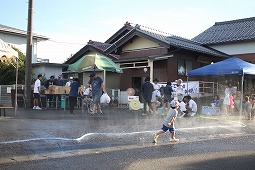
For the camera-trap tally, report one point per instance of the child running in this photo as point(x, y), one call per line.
point(168, 123)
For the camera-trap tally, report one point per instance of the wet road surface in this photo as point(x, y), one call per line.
point(121, 139)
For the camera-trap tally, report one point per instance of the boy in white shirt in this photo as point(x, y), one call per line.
point(37, 92)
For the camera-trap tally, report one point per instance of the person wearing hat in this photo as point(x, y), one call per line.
point(147, 89)
point(48, 83)
point(168, 122)
point(69, 82)
point(97, 87)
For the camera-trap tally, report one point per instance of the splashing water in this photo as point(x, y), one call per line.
point(236, 124)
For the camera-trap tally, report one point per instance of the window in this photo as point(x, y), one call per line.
point(184, 66)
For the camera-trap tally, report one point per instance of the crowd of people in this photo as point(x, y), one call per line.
point(94, 88)
point(153, 94)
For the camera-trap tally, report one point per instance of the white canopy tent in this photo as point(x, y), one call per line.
point(10, 53)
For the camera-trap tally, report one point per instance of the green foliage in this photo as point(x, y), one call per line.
point(8, 70)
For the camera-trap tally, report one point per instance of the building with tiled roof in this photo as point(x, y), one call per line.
point(235, 38)
point(141, 51)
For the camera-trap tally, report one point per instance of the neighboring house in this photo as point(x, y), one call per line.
point(18, 38)
point(48, 69)
point(142, 52)
point(235, 38)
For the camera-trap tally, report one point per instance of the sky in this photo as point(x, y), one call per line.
point(70, 24)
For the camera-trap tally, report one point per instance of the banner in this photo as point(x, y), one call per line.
point(192, 87)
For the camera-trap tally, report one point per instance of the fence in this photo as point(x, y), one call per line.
point(7, 95)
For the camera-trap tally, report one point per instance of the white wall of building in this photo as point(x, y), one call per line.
point(20, 42)
point(47, 71)
point(236, 48)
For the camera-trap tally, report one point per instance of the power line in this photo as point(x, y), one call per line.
point(62, 42)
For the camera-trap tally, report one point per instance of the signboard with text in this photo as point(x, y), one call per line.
point(192, 87)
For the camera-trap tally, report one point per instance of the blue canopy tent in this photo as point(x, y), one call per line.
point(230, 66)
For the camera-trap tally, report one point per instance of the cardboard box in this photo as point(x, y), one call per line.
point(57, 89)
point(47, 91)
point(67, 90)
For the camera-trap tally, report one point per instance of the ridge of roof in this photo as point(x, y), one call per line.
point(100, 45)
point(235, 21)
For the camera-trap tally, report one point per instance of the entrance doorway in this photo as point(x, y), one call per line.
point(137, 85)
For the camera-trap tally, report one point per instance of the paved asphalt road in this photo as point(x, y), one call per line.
point(121, 139)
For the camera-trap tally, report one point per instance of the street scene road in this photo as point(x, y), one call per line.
point(122, 139)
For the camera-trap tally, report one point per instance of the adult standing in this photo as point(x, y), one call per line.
point(58, 82)
point(228, 99)
point(179, 90)
point(74, 93)
point(48, 83)
point(167, 96)
point(69, 82)
point(147, 89)
point(98, 87)
point(155, 94)
point(36, 92)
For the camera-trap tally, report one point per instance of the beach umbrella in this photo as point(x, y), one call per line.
point(88, 62)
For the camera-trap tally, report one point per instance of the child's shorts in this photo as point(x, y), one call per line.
point(165, 128)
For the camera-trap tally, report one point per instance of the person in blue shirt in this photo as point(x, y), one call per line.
point(167, 96)
point(216, 101)
point(98, 88)
point(74, 93)
point(147, 89)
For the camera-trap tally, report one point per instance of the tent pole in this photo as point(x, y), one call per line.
point(104, 78)
point(187, 85)
point(16, 85)
point(241, 100)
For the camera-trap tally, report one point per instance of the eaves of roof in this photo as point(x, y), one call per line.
point(15, 31)
point(228, 31)
point(131, 59)
point(82, 52)
point(50, 64)
point(96, 46)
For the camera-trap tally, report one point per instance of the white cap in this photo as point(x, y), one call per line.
point(71, 78)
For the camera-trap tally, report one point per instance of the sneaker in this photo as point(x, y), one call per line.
point(38, 108)
point(155, 139)
point(174, 140)
point(144, 114)
point(34, 107)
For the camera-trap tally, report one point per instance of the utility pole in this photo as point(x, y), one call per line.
point(29, 55)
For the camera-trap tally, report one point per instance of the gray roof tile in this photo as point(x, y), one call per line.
point(182, 43)
point(228, 31)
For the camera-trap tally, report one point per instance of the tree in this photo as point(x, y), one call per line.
point(8, 70)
